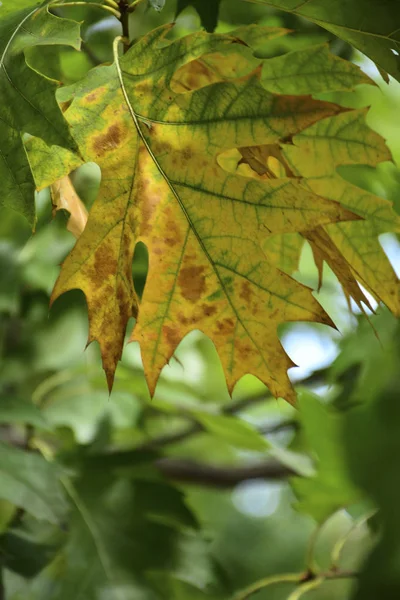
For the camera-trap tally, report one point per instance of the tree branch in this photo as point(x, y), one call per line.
point(299, 579)
point(124, 19)
point(231, 409)
point(189, 471)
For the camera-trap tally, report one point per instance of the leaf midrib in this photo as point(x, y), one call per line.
point(176, 195)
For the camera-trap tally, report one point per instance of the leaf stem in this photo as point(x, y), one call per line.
point(267, 581)
point(306, 587)
point(338, 547)
point(133, 5)
point(306, 581)
point(109, 9)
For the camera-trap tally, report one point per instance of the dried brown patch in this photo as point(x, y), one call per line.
point(208, 310)
point(173, 234)
point(65, 105)
point(107, 141)
point(105, 264)
point(245, 350)
point(162, 148)
point(187, 153)
point(149, 204)
point(225, 327)
point(246, 292)
point(192, 283)
point(171, 335)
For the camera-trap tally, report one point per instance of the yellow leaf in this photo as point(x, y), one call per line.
point(347, 140)
point(204, 227)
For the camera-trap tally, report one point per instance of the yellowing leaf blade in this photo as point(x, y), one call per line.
point(206, 229)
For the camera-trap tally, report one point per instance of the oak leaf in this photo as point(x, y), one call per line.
point(164, 184)
point(28, 99)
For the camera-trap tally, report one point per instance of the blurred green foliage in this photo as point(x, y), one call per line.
point(193, 495)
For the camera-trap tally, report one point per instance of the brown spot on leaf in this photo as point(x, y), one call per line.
point(192, 283)
point(173, 236)
point(187, 153)
point(107, 141)
point(161, 148)
point(208, 310)
point(244, 350)
point(93, 96)
point(246, 292)
point(105, 263)
point(65, 105)
point(225, 327)
point(171, 335)
point(150, 201)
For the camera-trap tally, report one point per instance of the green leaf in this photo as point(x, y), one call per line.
point(157, 4)
point(233, 430)
point(313, 70)
point(372, 445)
point(118, 535)
point(23, 554)
point(28, 100)
point(30, 482)
point(9, 6)
point(17, 410)
point(49, 163)
point(207, 9)
point(368, 25)
point(331, 488)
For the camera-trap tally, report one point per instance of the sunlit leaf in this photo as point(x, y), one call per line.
point(310, 71)
point(203, 227)
point(28, 102)
point(233, 430)
point(331, 488)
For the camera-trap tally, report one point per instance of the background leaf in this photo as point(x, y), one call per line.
point(207, 9)
point(30, 482)
point(366, 24)
point(29, 104)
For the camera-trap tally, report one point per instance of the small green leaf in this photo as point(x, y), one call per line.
point(28, 100)
point(157, 4)
point(24, 555)
point(233, 430)
point(10, 6)
point(30, 482)
point(207, 9)
point(331, 488)
point(17, 410)
point(49, 163)
point(368, 25)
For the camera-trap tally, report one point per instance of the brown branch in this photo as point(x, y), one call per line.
point(189, 471)
point(124, 19)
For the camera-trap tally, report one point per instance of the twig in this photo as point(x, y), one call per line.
point(2, 589)
point(338, 547)
point(305, 581)
point(195, 428)
point(188, 471)
point(87, 4)
point(124, 9)
point(231, 409)
point(306, 587)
